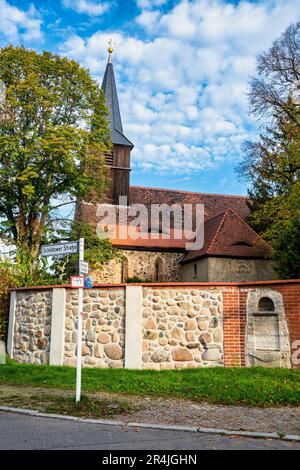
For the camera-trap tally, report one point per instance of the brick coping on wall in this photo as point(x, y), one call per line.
point(168, 284)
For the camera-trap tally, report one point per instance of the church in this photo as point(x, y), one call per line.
point(231, 250)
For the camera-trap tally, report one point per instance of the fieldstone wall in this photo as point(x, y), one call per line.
point(32, 327)
point(103, 328)
point(169, 326)
point(182, 328)
point(141, 264)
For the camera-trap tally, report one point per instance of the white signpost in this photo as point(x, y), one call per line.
point(69, 248)
point(79, 326)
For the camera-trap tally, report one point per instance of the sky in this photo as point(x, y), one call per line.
point(182, 69)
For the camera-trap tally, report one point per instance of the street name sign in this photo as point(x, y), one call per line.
point(83, 267)
point(60, 249)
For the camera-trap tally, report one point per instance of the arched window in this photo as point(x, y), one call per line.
point(266, 305)
point(124, 270)
point(158, 270)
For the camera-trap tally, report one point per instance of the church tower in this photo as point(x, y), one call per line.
point(119, 159)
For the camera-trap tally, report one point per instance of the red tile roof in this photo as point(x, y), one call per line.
point(227, 234)
point(225, 231)
point(213, 203)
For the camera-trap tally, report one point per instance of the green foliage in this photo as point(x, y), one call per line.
point(273, 167)
point(272, 164)
point(53, 134)
point(64, 403)
point(287, 250)
point(19, 275)
point(231, 386)
point(97, 251)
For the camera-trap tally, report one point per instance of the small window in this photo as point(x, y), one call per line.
point(195, 267)
point(245, 244)
point(266, 305)
point(109, 159)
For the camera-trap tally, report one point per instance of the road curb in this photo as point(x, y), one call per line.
point(166, 427)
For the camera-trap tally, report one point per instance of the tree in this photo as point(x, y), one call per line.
point(97, 250)
point(275, 92)
point(286, 250)
point(272, 164)
point(53, 134)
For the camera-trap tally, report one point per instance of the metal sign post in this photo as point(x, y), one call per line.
point(79, 326)
point(77, 282)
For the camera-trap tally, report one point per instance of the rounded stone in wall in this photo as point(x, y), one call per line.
point(103, 338)
point(151, 335)
point(211, 355)
point(85, 350)
point(181, 355)
point(69, 324)
point(218, 335)
point(193, 345)
point(160, 355)
point(205, 338)
point(113, 351)
point(42, 343)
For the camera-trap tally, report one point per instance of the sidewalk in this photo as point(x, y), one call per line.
point(282, 420)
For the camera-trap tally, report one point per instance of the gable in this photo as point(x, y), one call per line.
point(229, 235)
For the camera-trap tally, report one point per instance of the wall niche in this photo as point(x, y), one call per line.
point(267, 336)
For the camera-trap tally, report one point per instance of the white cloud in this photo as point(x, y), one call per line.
point(148, 19)
point(17, 25)
point(87, 7)
point(182, 90)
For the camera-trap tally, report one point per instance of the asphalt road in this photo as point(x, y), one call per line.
point(19, 432)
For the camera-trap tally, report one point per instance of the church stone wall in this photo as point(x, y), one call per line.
point(141, 264)
point(213, 269)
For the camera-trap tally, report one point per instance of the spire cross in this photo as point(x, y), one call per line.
point(110, 50)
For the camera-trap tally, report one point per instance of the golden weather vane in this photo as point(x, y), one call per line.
point(111, 45)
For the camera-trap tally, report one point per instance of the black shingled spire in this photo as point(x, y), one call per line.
point(111, 96)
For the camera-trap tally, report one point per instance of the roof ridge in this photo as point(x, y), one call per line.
point(217, 215)
point(189, 192)
point(225, 214)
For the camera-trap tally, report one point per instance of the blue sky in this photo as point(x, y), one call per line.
point(182, 68)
